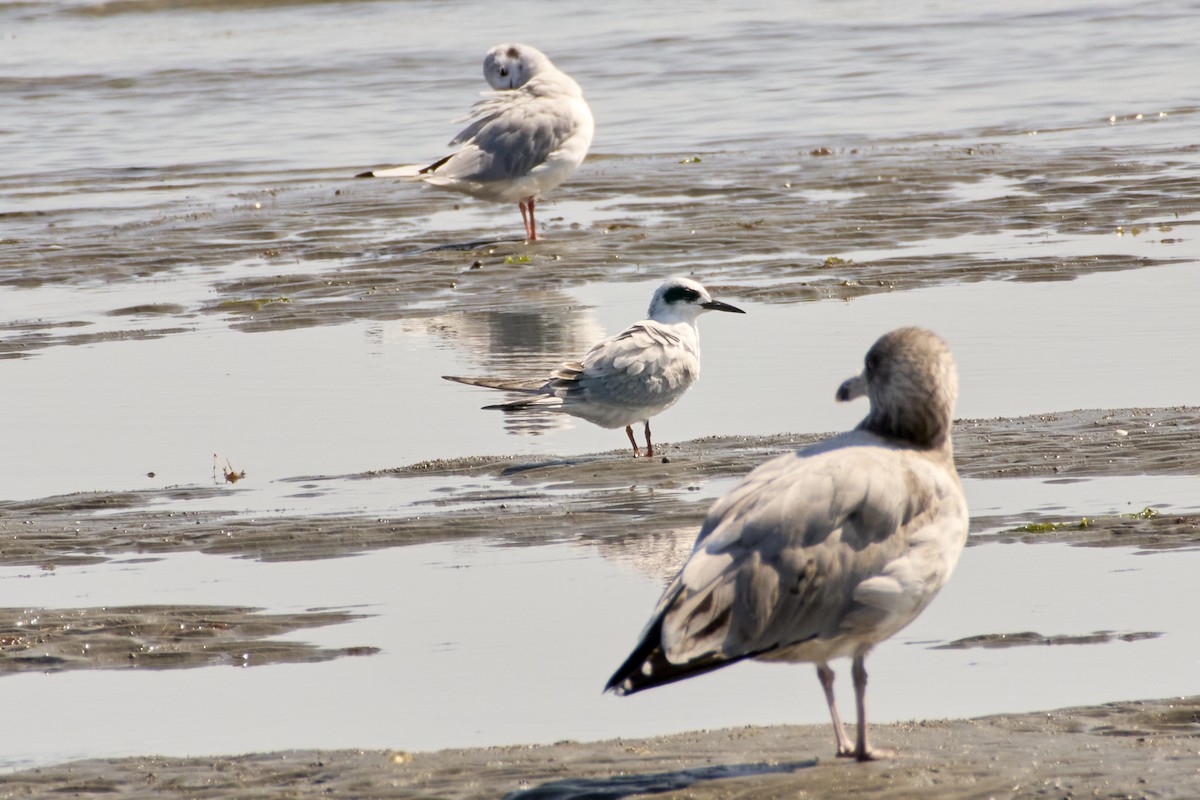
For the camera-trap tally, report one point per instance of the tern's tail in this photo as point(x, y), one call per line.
point(539, 398)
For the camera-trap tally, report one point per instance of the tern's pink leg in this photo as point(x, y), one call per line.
point(632, 441)
point(532, 222)
point(649, 447)
point(825, 675)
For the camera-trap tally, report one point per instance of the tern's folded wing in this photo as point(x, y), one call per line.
point(646, 364)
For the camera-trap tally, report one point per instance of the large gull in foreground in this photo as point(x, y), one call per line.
point(524, 139)
point(629, 377)
point(827, 551)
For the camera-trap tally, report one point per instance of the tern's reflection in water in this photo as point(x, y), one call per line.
point(525, 342)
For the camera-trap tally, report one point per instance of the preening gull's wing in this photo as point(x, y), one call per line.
point(484, 112)
point(512, 134)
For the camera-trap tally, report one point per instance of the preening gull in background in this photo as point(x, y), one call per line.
point(630, 377)
point(827, 551)
point(524, 139)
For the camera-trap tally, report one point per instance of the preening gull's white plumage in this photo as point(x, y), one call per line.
point(524, 138)
point(629, 377)
point(827, 551)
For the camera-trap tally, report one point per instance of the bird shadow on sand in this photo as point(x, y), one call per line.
point(475, 245)
point(403, 248)
point(530, 466)
point(616, 787)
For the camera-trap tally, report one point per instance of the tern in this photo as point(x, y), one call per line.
point(630, 377)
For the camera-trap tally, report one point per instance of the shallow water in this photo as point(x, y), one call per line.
point(191, 281)
point(259, 76)
point(367, 395)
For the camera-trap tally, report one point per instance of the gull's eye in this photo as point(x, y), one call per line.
point(504, 72)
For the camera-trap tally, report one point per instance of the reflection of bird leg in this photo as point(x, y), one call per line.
point(825, 674)
point(629, 432)
point(649, 447)
point(526, 207)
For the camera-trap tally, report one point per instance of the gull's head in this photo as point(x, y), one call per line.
point(912, 383)
point(682, 300)
point(510, 66)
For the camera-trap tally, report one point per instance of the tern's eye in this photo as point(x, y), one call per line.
point(681, 294)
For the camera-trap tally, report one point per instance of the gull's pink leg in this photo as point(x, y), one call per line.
point(632, 441)
point(532, 222)
point(525, 217)
point(863, 751)
point(649, 447)
point(825, 675)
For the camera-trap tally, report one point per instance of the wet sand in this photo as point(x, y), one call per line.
point(159, 637)
point(318, 248)
point(1148, 749)
point(590, 491)
point(1120, 750)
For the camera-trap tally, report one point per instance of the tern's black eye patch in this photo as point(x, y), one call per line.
point(681, 294)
